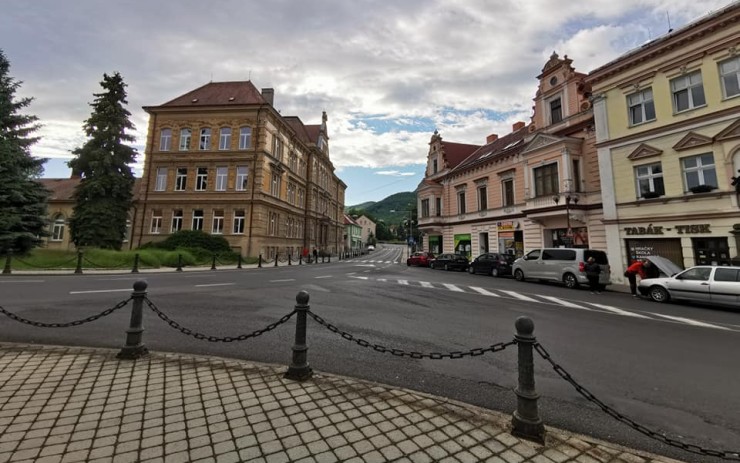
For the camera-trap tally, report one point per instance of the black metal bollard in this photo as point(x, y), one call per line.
point(7, 269)
point(329, 258)
point(289, 260)
point(259, 262)
point(213, 263)
point(300, 260)
point(526, 422)
point(299, 370)
point(134, 347)
point(136, 264)
point(276, 259)
point(239, 261)
point(79, 262)
point(179, 263)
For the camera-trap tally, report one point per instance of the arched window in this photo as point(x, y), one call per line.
point(57, 230)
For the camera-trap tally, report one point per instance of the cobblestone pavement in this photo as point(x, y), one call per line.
point(62, 404)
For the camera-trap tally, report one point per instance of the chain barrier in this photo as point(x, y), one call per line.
point(414, 355)
point(723, 454)
point(201, 336)
point(91, 318)
point(56, 267)
point(124, 265)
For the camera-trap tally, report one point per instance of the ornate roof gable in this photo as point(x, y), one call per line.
point(540, 141)
point(733, 131)
point(644, 151)
point(691, 140)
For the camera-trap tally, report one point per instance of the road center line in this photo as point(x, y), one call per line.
point(403, 282)
point(215, 284)
point(100, 291)
point(619, 311)
point(484, 292)
point(563, 302)
point(689, 321)
point(516, 295)
point(323, 276)
point(280, 281)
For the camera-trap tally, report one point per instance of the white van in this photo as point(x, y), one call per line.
point(566, 265)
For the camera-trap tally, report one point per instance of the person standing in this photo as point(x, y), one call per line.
point(633, 271)
point(593, 270)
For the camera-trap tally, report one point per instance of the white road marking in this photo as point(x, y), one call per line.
point(101, 291)
point(380, 279)
point(359, 277)
point(280, 281)
point(484, 292)
point(619, 311)
point(689, 321)
point(403, 282)
point(518, 296)
point(323, 276)
point(371, 265)
point(426, 284)
point(563, 302)
point(215, 284)
point(453, 288)
point(22, 281)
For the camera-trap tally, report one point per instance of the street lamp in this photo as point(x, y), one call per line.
point(410, 234)
point(568, 200)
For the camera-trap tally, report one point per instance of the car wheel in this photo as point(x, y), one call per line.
point(570, 280)
point(408, 264)
point(471, 270)
point(659, 294)
point(494, 272)
point(432, 266)
point(519, 275)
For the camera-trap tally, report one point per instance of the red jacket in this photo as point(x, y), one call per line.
point(637, 269)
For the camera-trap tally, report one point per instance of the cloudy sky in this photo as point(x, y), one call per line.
point(388, 73)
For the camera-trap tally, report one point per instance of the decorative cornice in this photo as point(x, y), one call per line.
point(644, 151)
point(732, 131)
point(691, 140)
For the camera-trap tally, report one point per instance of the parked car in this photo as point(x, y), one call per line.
point(450, 262)
point(703, 283)
point(492, 263)
point(566, 265)
point(370, 247)
point(420, 259)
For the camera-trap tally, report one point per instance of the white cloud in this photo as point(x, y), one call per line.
point(395, 173)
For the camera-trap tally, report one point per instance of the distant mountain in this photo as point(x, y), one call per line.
point(381, 210)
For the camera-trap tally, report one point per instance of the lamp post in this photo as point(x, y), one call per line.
point(568, 199)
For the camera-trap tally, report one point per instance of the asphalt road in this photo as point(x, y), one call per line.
point(670, 367)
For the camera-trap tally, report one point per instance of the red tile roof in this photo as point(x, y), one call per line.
point(313, 132)
point(509, 144)
point(455, 153)
point(300, 129)
point(220, 93)
point(62, 189)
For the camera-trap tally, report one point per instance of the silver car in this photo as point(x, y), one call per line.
point(566, 265)
point(704, 283)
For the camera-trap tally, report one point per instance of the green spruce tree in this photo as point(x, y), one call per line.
point(105, 194)
point(22, 198)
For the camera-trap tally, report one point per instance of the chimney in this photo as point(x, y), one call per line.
point(517, 126)
point(491, 138)
point(268, 94)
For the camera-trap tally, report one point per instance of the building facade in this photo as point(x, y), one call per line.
point(368, 233)
point(668, 137)
point(353, 234)
point(536, 186)
point(223, 160)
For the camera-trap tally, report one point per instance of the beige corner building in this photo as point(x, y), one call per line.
point(668, 138)
point(536, 186)
point(223, 160)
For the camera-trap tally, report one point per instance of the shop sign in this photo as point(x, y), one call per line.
point(508, 225)
point(658, 230)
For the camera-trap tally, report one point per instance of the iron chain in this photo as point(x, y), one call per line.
point(58, 267)
point(89, 319)
point(723, 454)
point(205, 337)
point(414, 355)
point(124, 265)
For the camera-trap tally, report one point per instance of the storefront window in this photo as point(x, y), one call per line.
point(577, 239)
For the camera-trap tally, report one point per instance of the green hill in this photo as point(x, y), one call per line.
point(381, 210)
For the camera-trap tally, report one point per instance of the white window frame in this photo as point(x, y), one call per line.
point(176, 224)
point(181, 179)
point(549, 108)
point(688, 83)
point(729, 70)
point(222, 176)
point(245, 138)
point(217, 227)
point(186, 136)
point(224, 138)
point(204, 142)
point(238, 225)
point(57, 231)
point(198, 218)
point(242, 178)
point(548, 184)
point(161, 183)
point(156, 227)
point(504, 199)
point(275, 184)
point(650, 176)
point(642, 100)
point(165, 139)
point(201, 179)
point(700, 169)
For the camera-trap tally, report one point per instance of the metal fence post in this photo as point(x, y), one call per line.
point(239, 261)
point(7, 269)
point(300, 260)
point(299, 370)
point(136, 264)
point(259, 262)
point(289, 263)
point(329, 258)
point(134, 348)
point(79, 262)
point(526, 422)
point(213, 263)
point(276, 259)
point(179, 263)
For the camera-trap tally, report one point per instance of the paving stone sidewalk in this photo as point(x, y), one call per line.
point(69, 404)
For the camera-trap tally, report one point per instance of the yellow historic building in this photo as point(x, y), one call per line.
point(668, 139)
point(536, 186)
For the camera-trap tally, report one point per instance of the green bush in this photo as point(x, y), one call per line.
point(193, 239)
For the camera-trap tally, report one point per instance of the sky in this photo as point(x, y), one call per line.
point(388, 73)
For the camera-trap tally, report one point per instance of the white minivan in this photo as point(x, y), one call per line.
point(566, 265)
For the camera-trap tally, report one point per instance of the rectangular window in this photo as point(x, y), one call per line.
point(300, 197)
point(205, 139)
point(699, 170)
point(201, 179)
point(176, 221)
point(197, 219)
point(222, 174)
point(224, 138)
point(425, 208)
point(57, 233)
point(546, 180)
point(649, 180)
point(291, 193)
point(181, 180)
point(275, 185)
point(218, 222)
point(238, 222)
point(185, 135)
point(641, 106)
point(434, 166)
point(556, 111)
point(482, 198)
point(507, 192)
point(165, 139)
point(576, 175)
point(438, 206)
point(156, 221)
point(245, 138)
point(688, 92)
point(461, 202)
point(241, 178)
point(161, 183)
point(729, 72)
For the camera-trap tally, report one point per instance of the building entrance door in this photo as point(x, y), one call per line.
point(711, 251)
